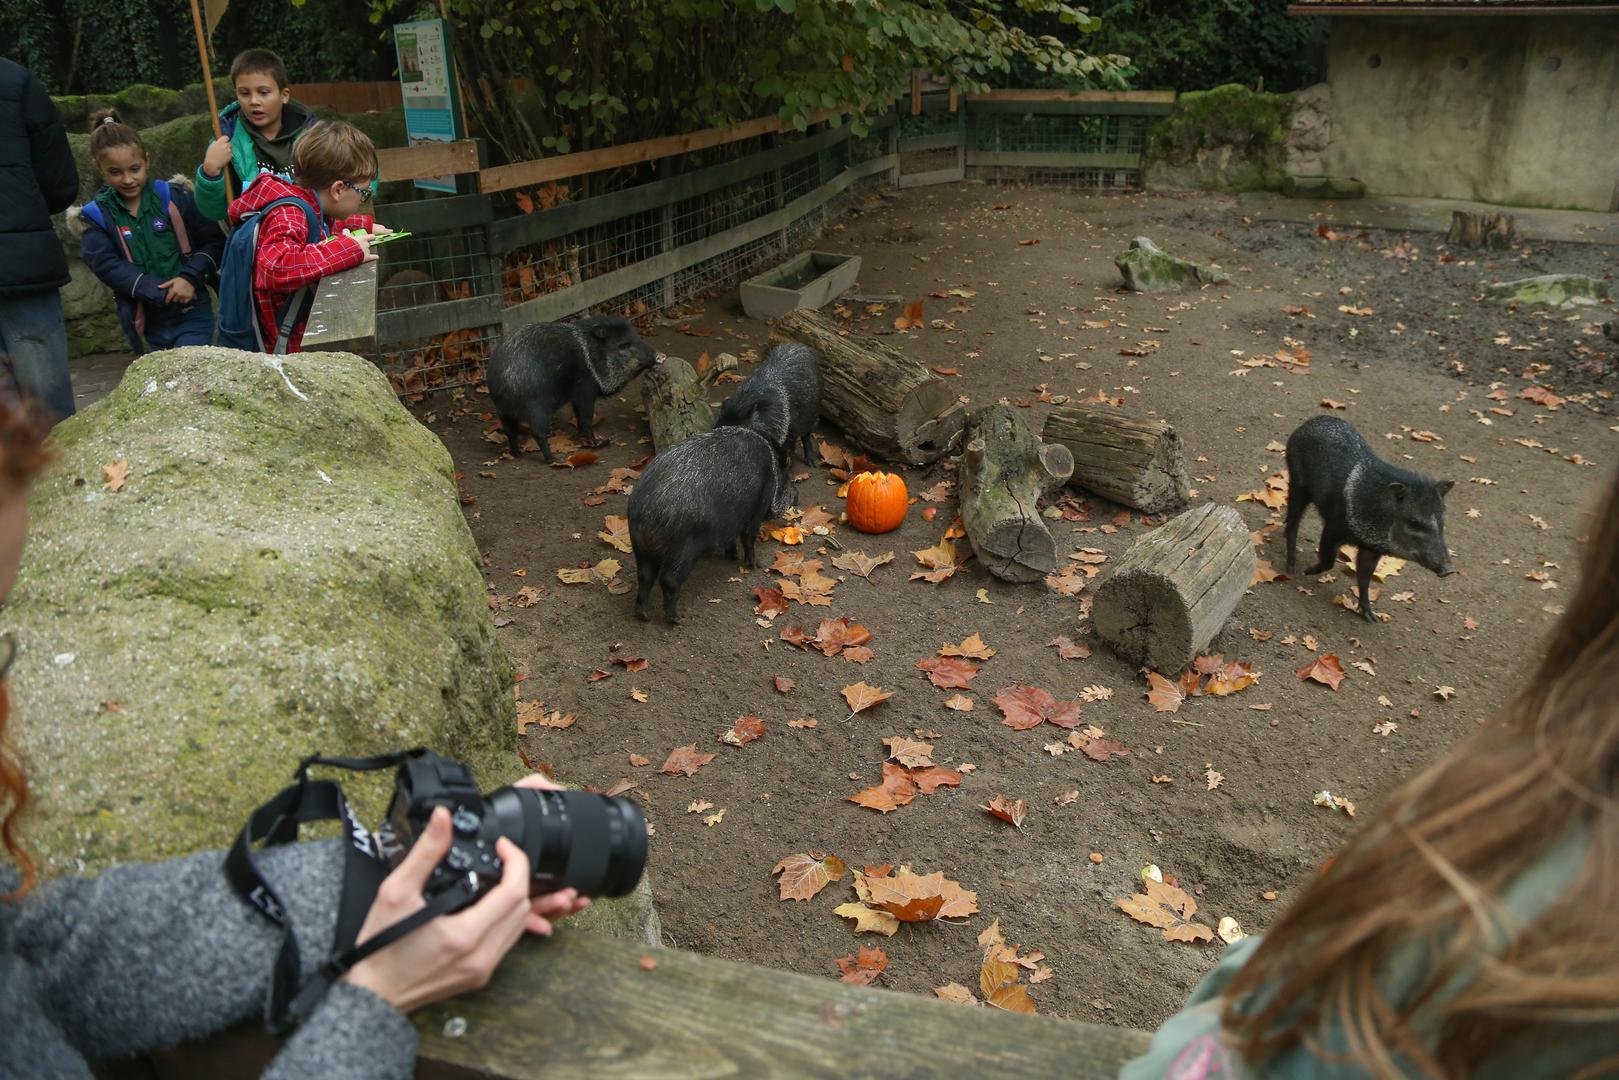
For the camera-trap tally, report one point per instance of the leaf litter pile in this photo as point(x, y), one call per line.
point(870, 761)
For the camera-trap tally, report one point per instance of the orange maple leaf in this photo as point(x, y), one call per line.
point(802, 876)
point(1164, 695)
point(861, 969)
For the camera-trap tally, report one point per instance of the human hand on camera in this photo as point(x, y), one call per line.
point(216, 157)
point(459, 952)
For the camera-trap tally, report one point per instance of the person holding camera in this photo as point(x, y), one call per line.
point(143, 957)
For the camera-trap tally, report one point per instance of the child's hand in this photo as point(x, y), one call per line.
point(364, 240)
point(217, 157)
point(379, 229)
point(181, 291)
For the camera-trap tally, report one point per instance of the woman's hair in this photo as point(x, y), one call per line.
point(1424, 879)
point(108, 131)
point(333, 150)
point(22, 454)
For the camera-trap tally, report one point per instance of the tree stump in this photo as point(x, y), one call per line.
point(1132, 462)
point(885, 401)
point(676, 402)
point(1480, 229)
point(1005, 469)
point(1175, 587)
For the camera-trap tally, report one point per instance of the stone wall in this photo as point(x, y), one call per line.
point(1520, 110)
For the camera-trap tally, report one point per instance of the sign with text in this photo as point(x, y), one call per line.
point(427, 81)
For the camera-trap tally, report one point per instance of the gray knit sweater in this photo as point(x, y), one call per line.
point(147, 956)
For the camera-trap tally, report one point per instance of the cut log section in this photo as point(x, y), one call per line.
point(676, 403)
point(890, 404)
point(1481, 229)
point(1175, 588)
point(1133, 462)
point(1005, 469)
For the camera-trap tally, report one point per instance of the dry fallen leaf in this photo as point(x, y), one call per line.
point(783, 684)
point(940, 560)
point(1069, 650)
point(1067, 798)
point(860, 564)
point(699, 806)
point(955, 993)
point(959, 702)
point(868, 920)
point(862, 697)
point(617, 533)
point(1026, 707)
point(1165, 696)
point(684, 761)
point(744, 731)
point(114, 475)
point(860, 969)
point(802, 876)
point(1327, 670)
point(948, 672)
point(909, 752)
point(972, 648)
point(1012, 811)
point(1168, 908)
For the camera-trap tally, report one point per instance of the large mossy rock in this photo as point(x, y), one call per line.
point(285, 570)
point(1148, 268)
point(1559, 291)
point(1229, 138)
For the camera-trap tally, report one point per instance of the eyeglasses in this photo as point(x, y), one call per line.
point(363, 191)
point(8, 652)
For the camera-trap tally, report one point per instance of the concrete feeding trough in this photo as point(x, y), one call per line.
point(810, 280)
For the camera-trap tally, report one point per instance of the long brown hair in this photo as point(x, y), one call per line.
point(1428, 870)
point(21, 456)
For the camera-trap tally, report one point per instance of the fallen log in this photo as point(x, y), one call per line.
point(1005, 469)
point(1175, 587)
point(1133, 462)
point(676, 401)
point(1491, 230)
point(882, 399)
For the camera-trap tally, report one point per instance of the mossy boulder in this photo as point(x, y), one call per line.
point(1560, 291)
point(1230, 138)
point(285, 570)
point(1148, 268)
point(140, 106)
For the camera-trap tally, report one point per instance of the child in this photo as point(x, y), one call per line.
point(260, 130)
point(334, 166)
point(145, 239)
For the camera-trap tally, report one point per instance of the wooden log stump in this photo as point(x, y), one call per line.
point(1005, 469)
point(890, 404)
point(1133, 462)
point(676, 401)
point(1175, 588)
point(1481, 229)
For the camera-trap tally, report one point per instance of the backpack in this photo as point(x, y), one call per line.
point(177, 221)
point(238, 312)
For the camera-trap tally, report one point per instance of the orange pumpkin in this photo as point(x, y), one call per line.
point(877, 502)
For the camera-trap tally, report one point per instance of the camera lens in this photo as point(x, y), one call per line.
point(573, 838)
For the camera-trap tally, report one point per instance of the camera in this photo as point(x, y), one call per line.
point(594, 843)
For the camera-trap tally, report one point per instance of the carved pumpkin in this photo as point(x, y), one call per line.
point(877, 502)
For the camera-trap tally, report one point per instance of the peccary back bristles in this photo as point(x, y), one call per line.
point(537, 369)
point(781, 400)
point(1363, 500)
point(706, 494)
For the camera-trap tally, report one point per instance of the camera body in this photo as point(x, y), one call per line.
point(591, 842)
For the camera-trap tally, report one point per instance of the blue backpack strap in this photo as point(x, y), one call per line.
point(296, 305)
point(93, 212)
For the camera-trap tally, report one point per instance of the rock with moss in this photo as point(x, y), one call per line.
point(1148, 268)
point(140, 106)
point(1559, 291)
point(1230, 138)
point(236, 561)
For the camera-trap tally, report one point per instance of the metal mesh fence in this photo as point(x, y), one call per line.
point(1097, 179)
point(1061, 134)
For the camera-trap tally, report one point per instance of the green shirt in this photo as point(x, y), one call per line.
point(148, 232)
point(1191, 1046)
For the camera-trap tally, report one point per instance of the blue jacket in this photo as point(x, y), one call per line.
point(108, 257)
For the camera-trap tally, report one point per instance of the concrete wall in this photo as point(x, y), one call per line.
point(1521, 110)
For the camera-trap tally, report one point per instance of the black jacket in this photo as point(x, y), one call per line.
point(38, 178)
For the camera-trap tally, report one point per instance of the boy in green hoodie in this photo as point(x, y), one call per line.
point(259, 130)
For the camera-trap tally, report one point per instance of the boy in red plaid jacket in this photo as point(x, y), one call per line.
point(334, 165)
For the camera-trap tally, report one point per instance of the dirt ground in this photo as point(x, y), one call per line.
point(1415, 373)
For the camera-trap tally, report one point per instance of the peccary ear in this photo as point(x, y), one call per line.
point(602, 332)
point(1445, 486)
point(1397, 490)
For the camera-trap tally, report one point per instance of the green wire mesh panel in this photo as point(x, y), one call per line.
point(1048, 133)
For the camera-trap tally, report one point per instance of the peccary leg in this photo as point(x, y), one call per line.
point(745, 544)
point(1297, 503)
point(1365, 562)
point(671, 578)
point(514, 435)
point(539, 422)
point(584, 415)
point(1331, 541)
point(646, 573)
point(809, 442)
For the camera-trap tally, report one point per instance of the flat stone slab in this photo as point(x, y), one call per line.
point(1148, 268)
point(1560, 291)
point(1323, 187)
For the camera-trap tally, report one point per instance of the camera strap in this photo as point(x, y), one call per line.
point(364, 867)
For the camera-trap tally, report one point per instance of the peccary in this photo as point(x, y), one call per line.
point(536, 369)
point(781, 400)
point(708, 493)
point(1362, 500)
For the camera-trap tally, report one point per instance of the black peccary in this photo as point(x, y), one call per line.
point(1363, 500)
point(708, 493)
point(781, 400)
point(536, 369)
